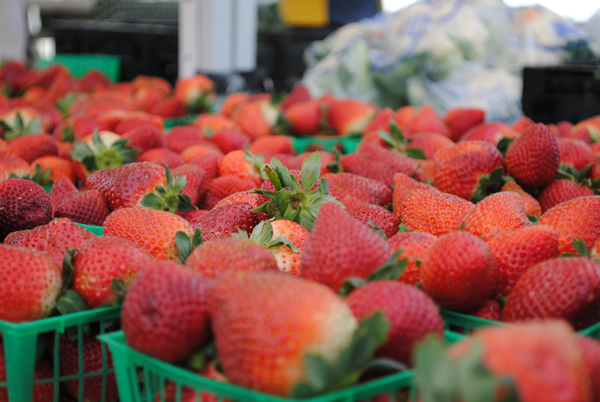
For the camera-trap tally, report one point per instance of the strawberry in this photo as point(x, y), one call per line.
point(58, 167)
point(532, 206)
point(562, 190)
point(94, 387)
point(564, 128)
point(158, 83)
point(243, 164)
point(404, 186)
point(23, 205)
point(232, 101)
point(273, 144)
point(36, 239)
point(10, 164)
point(426, 119)
point(581, 134)
point(490, 132)
point(131, 183)
point(194, 217)
point(592, 125)
point(460, 120)
point(101, 180)
point(31, 284)
point(463, 169)
point(209, 123)
point(434, 212)
point(496, 214)
point(339, 248)
point(161, 227)
point(411, 313)
point(579, 217)
point(229, 218)
point(256, 119)
point(180, 137)
point(49, 115)
point(165, 314)
point(94, 80)
point(380, 122)
point(195, 183)
point(366, 190)
point(64, 151)
point(491, 311)
point(162, 157)
point(304, 117)
point(518, 251)
point(76, 128)
point(134, 121)
point(224, 186)
point(413, 246)
point(533, 159)
point(349, 116)
point(297, 95)
point(575, 153)
point(195, 151)
point(230, 140)
point(287, 259)
point(522, 124)
point(253, 199)
point(459, 272)
point(558, 288)
point(208, 162)
point(326, 159)
point(430, 143)
point(33, 146)
point(88, 208)
point(43, 392)
point(370, 214)
point(169, 107)
point(196, 92)
point(144, 138)
point(19, 122)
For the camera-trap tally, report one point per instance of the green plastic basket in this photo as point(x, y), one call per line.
point(131, 365)
point(79, 64)
point(97, 230)
point(179, 121)
point(20, 344)
point(327, 143)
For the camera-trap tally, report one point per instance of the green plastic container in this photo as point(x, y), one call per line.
point(131, 365)
point(79, 64)
point(20, 341)
point(179, 121)
point(328, 143)
point(97, 230)
point(47, 188)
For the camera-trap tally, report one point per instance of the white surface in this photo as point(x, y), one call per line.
point(13, 30)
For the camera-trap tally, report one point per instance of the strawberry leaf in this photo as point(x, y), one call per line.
point(71, 302)
point(118, 286)
point(581, 247)
point(282, 200)
point(67, 269)
point(533, 219)
point(377, 229)
point(184, 245)
point(503, 145)
point(415, 153)
point(152, 201)
point(310, 172)
point(19, 127)
point(402, 228)
point(34, 126)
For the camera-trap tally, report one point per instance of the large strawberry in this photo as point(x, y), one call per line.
point(575, 153)
point(153, 231)
point(371, 214)
point(33, 146)
point(243, 164)
point(404, 186)
point(132, 182)
point(88, 208)
point(23, 205)
point(460, 120)
point(413, 246)
point(304, 117)
point(567, 187)
point(532, 206)
point(459, 272)
point(165, 312)
point(229, 218)
point(349, 116)
point(31, 284)
point(366, 190)
point(567, 288)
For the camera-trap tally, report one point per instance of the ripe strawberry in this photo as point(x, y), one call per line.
point(162, 157)
point(23, 205)
point(592, 125)
point(490, 132)
point(94, 80)
point(496, 214)
point(154, 82)
point(165, 314)
point(564, 128)
point(229, 218)
point(591, 355)
point(196, 93)
point(180, 137)
point(430, 143)
point(210, 163)
point(131, 183)
point(231, 101)
point(94, 388)
point(88, 208)
point(144, 138)
point(64, 151)
point(274, 144)
point(169, 107)
point(533, 159)
point(33, 146)
point(160, 226)
point(76, 128)
point(256, 119)
point(31, 284)
point(170, 392)
point(426, 119)
point(518, 251)
point(364, 212)
point(58, 167)
point(491, 310)
point(575, 153)
point(10, 164)
point(567, 288)
point(224, 186)
point(459, 272)
point(434, 212)
point(459, 121)
point(349, 116)
point(562, 190)
point(253, 199)
point(230, 140)
point(101, 180)
point(581, 134)
point(195, 151)
point(366, 190)
point(579, 217)
point(459, 170)
point(209, 123)
point(266, 354)
point(297, 95)
point(380, 122)
point(404, 186)
point(194, 216)
point(340, 248)
point(532, 206)
point(287, 259)
point(243, 164)
point(304, 117)
point(195, 183)
point(43, 370)
point(135, 121)
point(36, 239)
point(414, 246)
point(412, 314)
point(49, 115)
point(522, 124)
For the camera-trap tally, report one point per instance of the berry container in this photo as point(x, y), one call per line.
point(79, 64)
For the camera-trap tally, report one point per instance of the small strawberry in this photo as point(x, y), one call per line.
point(304, 117)
point(180, 137)
point(460, 120)
point(101, 180)
point(195, 182)
point(144, 138)
point(256, 119)
point(532, 206)
point(88, 208)
point(162, 157)
point(243, 164)
point(224, 186)
point(370, 214)
point(165, 312)
point(459, 272)
point(23, 205)
point(413, 246)
point(429, 143)
point(297, 95)
point(169, 107)
point(349, 116)
point(426, 119)
point(274, 144)
point(56, 166)
point(94, 80)
point(490, 132)
point(491, 311)
point(230, 140)
point(13, 165)
point(196, 92)
point(366, 190)
point(33, 146)
point(522, 124)
point(569, 184)
point(160, 227)
point(128, 185)
point(36, 238)
point(210, 163)
point(575, 153)
point(229, 218)
point(195, 151)
point(209, 123)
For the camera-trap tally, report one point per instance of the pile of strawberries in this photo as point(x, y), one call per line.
point(296, 275)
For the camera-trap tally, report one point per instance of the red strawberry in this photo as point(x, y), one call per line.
point(565, 288)
point(579, 217)
point(274, 144)
point(496, 214)
point(560, 191)
point(169, 107)
point(134, 121)
point(162, 157)
point(253, 199)
point(490, 132)
point(459, 121)
point(230, 140)
point(160, 226)
point(430, 143)
point(33, 146)
point(43, 370)
point(101, 180)
point(298, 94)
point(434, 212)
point(63, 234)
point(63, 189)
point(194, 216)
point(93, 80)
point(380, 122)
point(195, 183)
point(10, 164)
point(31, 284)
point(304, 117)
point(288, 260)
point(23, 205)
point(518, 251)
point(165, 313)
point(340, 248)
point(64, 151)
point(195, 151)
point(404, 186)
point(575, 153)
point(581, 134)
point(414, 245)
point(522, 124)
point(426, 119)
point(533, 159)
point(196, 92)
point(57, 167)
point(459, 170)
point(131, 183)
point(171, 391)
point(210, 163)
point(224, 186)
point(459, 272)
point(592, 125)
point(144, 138)
point(532, 206)
point(180, 137)
point(231, 101)
point(411, 313)
point(154, 82)
point(243, 164)
point(36, 238)
point(256, 119)
point(229, 218)
point(348, 116)
point(77, 127)
point(209, 123)
point(88, 208)
point(364, 212)
point(564, 128)
point(491, 310)
point(366, 190)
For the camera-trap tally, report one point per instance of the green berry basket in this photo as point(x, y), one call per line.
point(327, 143)
point(179, 121)
point(79, 64)
point(21, 347)
point(97, 230)
point(131, 366)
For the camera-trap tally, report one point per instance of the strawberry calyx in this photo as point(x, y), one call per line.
point(293, 201)
point(185, 245)
point(490, 183)
point(566, 172)
point(40, 176)
point(169, 197)
point(19, 128)
point(65, 103)
point(503, 145)
point(100, 156)
point(201, 103)
point(257, 161)
point(323, 376)
point(395, 139)
point(581, 248)
point(263, 234)
point(464, 378)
